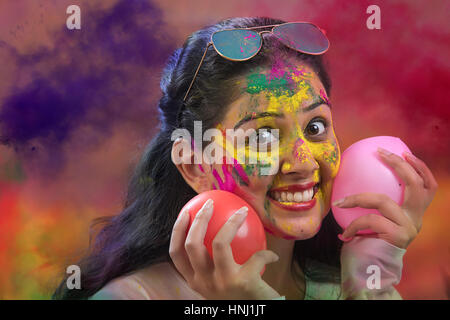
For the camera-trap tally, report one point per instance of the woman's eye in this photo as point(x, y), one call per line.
point(316, 128)
point(263, 138)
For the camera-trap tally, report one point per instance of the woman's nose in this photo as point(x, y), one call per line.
point(300, 161)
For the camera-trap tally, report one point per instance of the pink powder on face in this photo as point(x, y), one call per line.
point(277, 70)
point(323, 96)
point(297, 146)
point(269, 231)
point(237, 166)
point(299, 72)
point(285, 237)
point(229, 183)
point(289, 72)
point(299, 142)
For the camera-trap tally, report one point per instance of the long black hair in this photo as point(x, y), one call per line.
point(139, 236)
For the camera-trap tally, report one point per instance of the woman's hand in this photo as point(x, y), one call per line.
point(220, 277)
point(399, 225)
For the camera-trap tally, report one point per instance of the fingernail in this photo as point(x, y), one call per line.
point(384, 151)
point(208, 206)
point(182, 214)
point(242, 211)
point(341, 237)
point(339, 202)
point(409, 155)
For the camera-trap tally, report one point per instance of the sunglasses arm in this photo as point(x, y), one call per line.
point(196, 72)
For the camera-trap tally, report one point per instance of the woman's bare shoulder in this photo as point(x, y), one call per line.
point(159, 281)
point(125, 287)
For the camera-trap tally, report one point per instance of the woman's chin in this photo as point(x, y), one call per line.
point(302, 233)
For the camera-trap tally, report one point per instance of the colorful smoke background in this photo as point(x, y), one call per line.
point(78, 107)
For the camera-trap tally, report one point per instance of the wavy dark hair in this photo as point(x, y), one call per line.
point(139, 236)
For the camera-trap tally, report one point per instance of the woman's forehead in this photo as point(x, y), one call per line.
point(282, 88)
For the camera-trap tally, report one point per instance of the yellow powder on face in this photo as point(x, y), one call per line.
point(329, 153)
point(252, 158)
point(289, 104)
point(292, 105)
point(299, 73)
point(228, 148)
point(302, 149)
point(286, 227)
point(286, 166)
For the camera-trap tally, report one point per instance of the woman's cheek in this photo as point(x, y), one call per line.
point(328, 156)
point(332, 156)
point(260, 163)
point(242, 180)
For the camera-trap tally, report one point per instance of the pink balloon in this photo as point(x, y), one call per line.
point(362, 170)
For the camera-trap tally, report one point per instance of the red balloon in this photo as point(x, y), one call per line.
point(249, 238)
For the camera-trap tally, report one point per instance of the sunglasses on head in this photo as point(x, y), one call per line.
point(244, 43)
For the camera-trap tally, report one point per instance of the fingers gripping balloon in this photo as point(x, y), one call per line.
point(362, 170)
point(249, 238)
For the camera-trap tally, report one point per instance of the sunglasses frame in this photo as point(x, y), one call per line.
point(273, 26)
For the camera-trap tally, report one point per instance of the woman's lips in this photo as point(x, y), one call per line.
point(296, 187)
point(294, 206)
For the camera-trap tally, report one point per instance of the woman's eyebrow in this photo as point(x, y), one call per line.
point(315, 104)
point(319, 101)
point(255, 115)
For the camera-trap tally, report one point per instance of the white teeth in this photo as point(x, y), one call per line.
point(306, 196)
point(289, 196)
point(298, 197)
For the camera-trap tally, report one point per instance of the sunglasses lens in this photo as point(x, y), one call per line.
point(304, 37)
point(237, 44)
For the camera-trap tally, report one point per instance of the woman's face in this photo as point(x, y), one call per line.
point(289, 97)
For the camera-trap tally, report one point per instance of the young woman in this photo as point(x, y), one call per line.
point(146, 252)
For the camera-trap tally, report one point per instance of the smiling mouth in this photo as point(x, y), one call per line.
point(294, 198)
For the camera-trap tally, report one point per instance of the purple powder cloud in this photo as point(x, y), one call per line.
point(103, 79)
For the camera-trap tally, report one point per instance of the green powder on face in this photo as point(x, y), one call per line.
point(331, 156)
point(256, 169)
point(267, 207)
point(258, 82)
